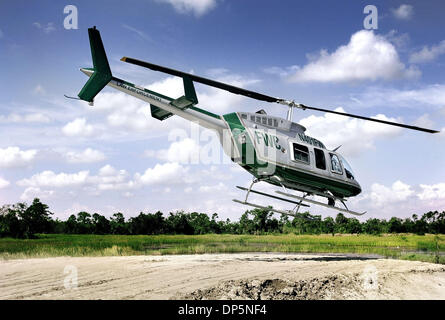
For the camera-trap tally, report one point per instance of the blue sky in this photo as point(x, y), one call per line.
point(115, 157)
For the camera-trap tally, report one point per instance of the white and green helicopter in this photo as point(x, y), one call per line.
point(272, 149)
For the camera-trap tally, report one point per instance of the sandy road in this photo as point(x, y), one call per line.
point(216, 276)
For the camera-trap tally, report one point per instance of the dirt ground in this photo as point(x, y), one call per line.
point(221, 276)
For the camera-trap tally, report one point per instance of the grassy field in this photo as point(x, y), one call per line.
point(404, 246)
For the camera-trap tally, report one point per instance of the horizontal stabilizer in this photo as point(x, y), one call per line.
point(159, 113)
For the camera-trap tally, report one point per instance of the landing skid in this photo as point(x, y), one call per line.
point(294, 212)
point(322, 204)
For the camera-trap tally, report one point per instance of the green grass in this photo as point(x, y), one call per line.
point(404, 246)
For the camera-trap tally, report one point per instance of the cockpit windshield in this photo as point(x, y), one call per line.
point(348, 168)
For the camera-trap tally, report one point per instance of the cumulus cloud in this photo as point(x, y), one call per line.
point(4, 183)
point(382, 195)
point(400, 199)
point(78, 127)
point(404, 12)
point(14, 157)
point(213, 188)
point(183, 151)
point(432, 192)
point(427, 54)
point(86, 156)
point(167, 173)
point(50, 179)
point(24, 118)
point(220, 100)
point(197, 7)
point(48, 28)
point(354, 135)
point(108, 178)
point(31, 193)
point(429, 95)
point(367, 56)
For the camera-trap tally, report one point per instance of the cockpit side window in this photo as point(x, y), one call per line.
point(335, 164)
point(301, 153)
point(347, 167)
point(320, 160)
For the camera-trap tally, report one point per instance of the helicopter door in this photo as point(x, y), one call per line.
point(320, 159)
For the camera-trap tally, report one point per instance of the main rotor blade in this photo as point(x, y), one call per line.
point(213, 83)
point(259, 96)
point(370, 119)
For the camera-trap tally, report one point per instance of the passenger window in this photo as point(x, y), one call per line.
point(258, 119)
point(320, 160)
point(264, 120)
point(275, 123)
point(244, 116)
point(301, 153)
point(335, 164)
point(269, 122)
point(252, 118)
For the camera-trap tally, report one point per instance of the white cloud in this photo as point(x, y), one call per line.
point(86, 156)
point(46, 29)
point(78, 127)
point(428, 54)
point(354, 135)
point(214, 188)
point(220, 100)
point(140, 33)
point(432, 192)
point(14, 157)
point(125, 114)
point(4, 183)
point(170, 86)
point(50, 179)
point(110, 178)
point(282, 72)
point(424, 121)
point(107, 171)
point(25, 118)
point(367, 56)
point(400, 199)
point(430, 95)
point(167, 173)
point(404, 12)
point(39, 90)
point(382, 195)
point(184, 151)
point(32, 192)
point(197, 7)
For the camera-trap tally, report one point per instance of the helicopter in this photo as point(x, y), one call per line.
point(272, 149)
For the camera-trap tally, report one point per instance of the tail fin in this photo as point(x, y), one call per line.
point(102, 73)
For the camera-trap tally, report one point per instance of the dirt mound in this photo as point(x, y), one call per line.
point(332, 287)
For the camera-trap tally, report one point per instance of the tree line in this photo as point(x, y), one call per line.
point(22, 221)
